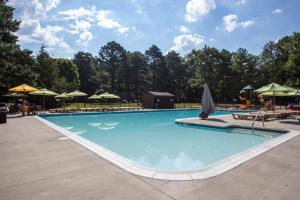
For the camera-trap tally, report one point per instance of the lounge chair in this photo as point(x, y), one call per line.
point(297, 118)
point(249, 116)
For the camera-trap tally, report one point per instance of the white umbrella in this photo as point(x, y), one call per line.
point(208, 105)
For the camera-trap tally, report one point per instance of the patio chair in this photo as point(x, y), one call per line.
point(249, 116)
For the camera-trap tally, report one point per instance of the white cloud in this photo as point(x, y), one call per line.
point(277, 11)
point(104, 20)
point(41, 7)
point(84, 38)
point(123, 30)
point(75, 14)
point(82, 27)
point(184, 29)
point(101, 17)
point(231, 23)
point(139, 9)
point(186, 42)
point(49, 36)
point(195, 9)
point(241, 2)
point(51, 4)
point(46, 35)
point(31, 29)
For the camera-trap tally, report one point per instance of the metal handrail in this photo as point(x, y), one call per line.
point(257, 117)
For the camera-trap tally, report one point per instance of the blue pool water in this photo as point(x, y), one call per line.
point(154, 140)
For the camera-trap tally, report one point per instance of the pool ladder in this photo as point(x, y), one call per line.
point(255, 118)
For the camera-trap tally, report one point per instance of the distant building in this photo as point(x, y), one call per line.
point(158, 100)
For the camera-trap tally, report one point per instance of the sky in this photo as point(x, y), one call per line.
point(69, 26)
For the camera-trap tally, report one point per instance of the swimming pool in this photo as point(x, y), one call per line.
point(154, 141)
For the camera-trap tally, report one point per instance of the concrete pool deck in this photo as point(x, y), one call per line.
point(37, 162)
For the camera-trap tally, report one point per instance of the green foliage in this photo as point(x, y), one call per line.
point(158, 70)
point(91, 74)
point(67, 76)
point(138, 74)
point(177, 71)
point(113, 57)
point(15, 64)
point(46, 68)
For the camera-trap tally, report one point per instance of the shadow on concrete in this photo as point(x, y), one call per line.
point(293, 122)
point(215, 120)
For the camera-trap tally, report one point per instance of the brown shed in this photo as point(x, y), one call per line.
point(158, 100)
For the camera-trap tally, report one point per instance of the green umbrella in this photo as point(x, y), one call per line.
point(272, 89)
point(107, 95)
point(77, 94)
point(295, 93)
point(115, 97)
point(95, 97)
point(43, 92)
point(14, 94)
point(62, 96)
point(290, 88)
point(276, 94)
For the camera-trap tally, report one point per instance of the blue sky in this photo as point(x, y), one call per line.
point(67, 27)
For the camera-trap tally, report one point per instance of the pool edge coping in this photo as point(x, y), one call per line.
point(209, 171)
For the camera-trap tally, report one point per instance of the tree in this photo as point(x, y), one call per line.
point(244, 69)
point(290, 55)
point(15, 64)
point(46, 69)
point(271, 64)
point(67, 76)
point(87, 67)
point(157, 67)
point(177, 71)
point(225, 79)
point(140, 77)
point(113, 57)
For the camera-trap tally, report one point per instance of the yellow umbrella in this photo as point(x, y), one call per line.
point(23, 88)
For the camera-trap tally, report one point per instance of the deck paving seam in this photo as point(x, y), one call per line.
point(156, 187)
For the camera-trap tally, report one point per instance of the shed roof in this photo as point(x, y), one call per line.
point(166, 94)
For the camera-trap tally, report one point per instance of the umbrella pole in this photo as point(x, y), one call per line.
point(23, 107)
point(43, 105)
point(274, 101)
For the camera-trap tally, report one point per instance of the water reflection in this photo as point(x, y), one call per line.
point(180, 162)
point(105, 126)
point(94, 124)
point(68, 127)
